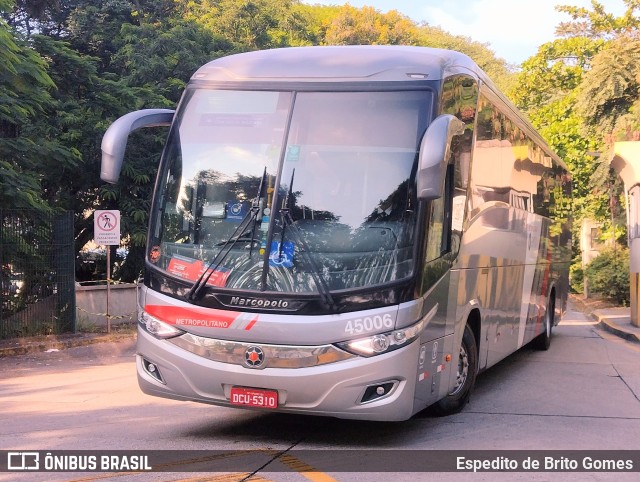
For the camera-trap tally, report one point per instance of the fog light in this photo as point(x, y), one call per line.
point(152, 369)
point(377, 391)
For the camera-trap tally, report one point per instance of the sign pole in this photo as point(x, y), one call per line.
point(106, 230)
point(108, 287)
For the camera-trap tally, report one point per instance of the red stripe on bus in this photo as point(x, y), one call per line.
point(203, 317)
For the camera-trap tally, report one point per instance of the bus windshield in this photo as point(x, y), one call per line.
point(298, 192)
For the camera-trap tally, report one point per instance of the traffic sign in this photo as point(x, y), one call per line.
point(106, 227)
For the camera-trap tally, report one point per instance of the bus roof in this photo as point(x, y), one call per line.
point(338, 63)
point(355, 63)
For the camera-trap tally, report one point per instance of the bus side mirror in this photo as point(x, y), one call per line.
point(435, 150)
point(114, 141)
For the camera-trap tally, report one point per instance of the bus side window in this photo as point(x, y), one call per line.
point(435, 230)
point(439, 236)
point(439, 229)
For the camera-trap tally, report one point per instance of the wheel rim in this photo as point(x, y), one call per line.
point(463, 370)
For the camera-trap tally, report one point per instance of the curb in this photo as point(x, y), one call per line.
point(610, 322)
point(611, 327)
point(23, 346)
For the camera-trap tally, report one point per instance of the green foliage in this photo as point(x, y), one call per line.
point(367, 26)
point(163, 59)
point(24, 94)
point(612, 85)
point(605, 102)
point(576, 276)
point(18, 189)
point(608, 275)
point(597, 23)
point(555, 71)
point(251, 24)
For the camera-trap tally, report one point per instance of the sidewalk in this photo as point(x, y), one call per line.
point(614, 319)
point(618, 322)
point(23, 346)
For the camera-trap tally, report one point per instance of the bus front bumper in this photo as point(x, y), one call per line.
point(344, 389)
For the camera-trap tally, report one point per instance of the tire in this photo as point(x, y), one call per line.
point(543, 340)
point(466, 372)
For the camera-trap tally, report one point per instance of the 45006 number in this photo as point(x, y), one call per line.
point(369, 324)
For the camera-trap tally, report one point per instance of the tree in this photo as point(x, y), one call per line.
point(597, 24)
point(250, 24)
point(608, 96)
point(353, 26)
point(24, 94)
point(163, 58)
point(316, 20)
point(611, 87)
point(554, 71)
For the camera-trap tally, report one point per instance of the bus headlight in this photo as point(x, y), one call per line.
point(384, 342)
point(156, 327)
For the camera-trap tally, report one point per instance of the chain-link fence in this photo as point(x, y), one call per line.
point(37, 274)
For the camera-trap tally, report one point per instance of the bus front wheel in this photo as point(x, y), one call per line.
point(466, 371)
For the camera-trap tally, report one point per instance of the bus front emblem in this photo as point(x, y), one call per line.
point(254, 357)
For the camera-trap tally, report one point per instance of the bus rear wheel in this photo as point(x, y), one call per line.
point(466, 370)
point(543, 341)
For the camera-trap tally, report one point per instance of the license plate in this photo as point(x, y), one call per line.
point(254, 397)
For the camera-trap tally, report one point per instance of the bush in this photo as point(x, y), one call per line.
point(608, 275)
point(576, 277)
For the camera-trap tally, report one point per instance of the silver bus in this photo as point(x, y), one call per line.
point(351, 231)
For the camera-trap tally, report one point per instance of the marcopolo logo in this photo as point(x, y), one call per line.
point(260, 303)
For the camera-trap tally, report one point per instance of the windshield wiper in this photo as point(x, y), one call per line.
point(318, 279)
point(285, 210)
point(248, 224)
